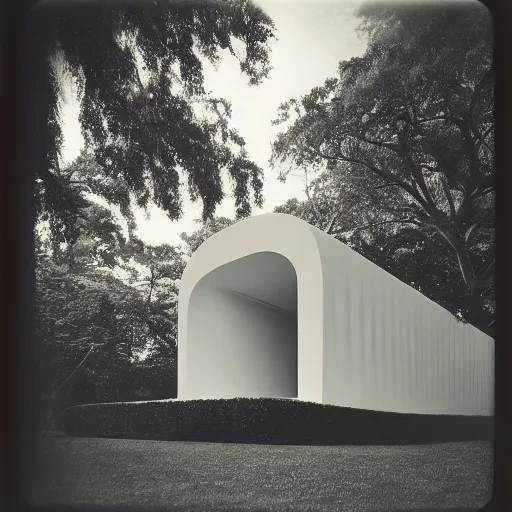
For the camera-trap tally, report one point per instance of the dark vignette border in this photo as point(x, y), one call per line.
point(16, 240)
point(18, 265)
point(502, 18)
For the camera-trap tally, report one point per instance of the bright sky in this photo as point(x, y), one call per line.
point(313, 37)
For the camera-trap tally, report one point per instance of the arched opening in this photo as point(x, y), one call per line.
point(242, 330)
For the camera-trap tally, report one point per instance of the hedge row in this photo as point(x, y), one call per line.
point(269, 421)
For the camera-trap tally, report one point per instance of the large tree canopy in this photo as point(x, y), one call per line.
point(405, 133)
point(144, 110)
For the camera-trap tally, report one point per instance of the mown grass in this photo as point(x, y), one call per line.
point(111, 474)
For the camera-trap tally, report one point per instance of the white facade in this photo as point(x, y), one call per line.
point(273, 307)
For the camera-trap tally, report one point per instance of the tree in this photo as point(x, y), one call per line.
point(139, 73)
point(208, 228)
point(84, 332)
point(98, 335)
point(155, 377)
point(156, 273)
point(93, 232)
point(335, 203)
point(412, 119)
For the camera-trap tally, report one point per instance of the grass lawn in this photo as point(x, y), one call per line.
point(195, 477)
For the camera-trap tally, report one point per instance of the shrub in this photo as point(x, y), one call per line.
point(267, 421)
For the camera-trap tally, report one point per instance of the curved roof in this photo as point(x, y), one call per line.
point(289, 236)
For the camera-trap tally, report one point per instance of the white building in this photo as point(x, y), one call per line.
point(274, 307)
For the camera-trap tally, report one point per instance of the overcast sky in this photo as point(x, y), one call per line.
point(312, 38)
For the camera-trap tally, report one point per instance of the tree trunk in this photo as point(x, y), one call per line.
point(476, 313)
point(55, 395)
point(466, 267)
point(475, 284)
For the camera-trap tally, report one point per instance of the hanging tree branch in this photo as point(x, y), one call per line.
point(312, 201)
point(396, 221)
point(379, 172)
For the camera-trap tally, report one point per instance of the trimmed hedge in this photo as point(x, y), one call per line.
point(267, 421)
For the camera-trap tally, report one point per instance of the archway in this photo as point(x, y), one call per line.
point(242, 329)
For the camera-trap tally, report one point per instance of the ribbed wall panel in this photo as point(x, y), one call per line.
point(407, 354)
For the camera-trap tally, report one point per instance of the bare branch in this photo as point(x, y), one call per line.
point(485, 187)
point(82, 184)
point(479, 87)
point(387, 185)
point(58, 389)
point(429, 204)
point(328, 230)
point(453, 120)
point(379, 172)
point(360, 228)
point(386, 145)
point(471, 231)
point(311, 201)
point(474, 227)
point(57, 165)
point(449, 197)
point(481, 139)
point(483, 193)
point(484, 277)
point(151, 286)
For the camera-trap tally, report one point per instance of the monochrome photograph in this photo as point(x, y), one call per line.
point(264, 246)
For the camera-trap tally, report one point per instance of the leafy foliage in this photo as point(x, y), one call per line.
point(156, 274)
point(81, 318)
point(404, 135)
point(155, 377)
point(207, 229)
point(145, 113)
point(102, 339)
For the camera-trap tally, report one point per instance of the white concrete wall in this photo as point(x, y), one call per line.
point(365, 339)
point(389, 348)
point(241, 347)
